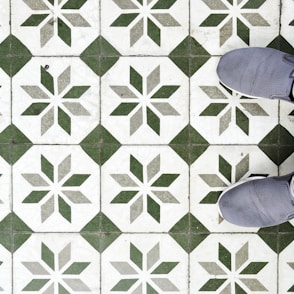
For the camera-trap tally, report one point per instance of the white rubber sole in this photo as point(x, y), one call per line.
point(243, 94)
point(236, 185)
point(254, 97)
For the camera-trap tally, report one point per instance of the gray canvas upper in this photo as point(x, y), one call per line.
point(258, 72)
point(259, 202)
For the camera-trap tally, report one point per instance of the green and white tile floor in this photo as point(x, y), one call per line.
point(116, 140)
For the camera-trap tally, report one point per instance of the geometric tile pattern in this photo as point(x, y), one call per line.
point(117, 139)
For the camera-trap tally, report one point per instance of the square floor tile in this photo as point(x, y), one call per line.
point(146, 105)
point(145, 188)
point(4, 20)
point(59, 27)
point(285, 270)
point(152, 27)
point(223, 116)
point(233, 264)
point(56, 188)
point(5, 101)
point(56, 100)
point(5, 271)
point(6, 191)
point(140, 264)
point(287, 21)
point(221, 25)
point(217, 169)
point(287, 116)
point(51, 263)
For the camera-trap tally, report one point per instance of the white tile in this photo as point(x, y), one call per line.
point(210, 264)
point(72, 183)
point(5, 271)
point(47, 125)
point(217, 169)
point(81, 24)
point(260, 25)
point(225, 117)
point(168, 199)
point(49, 257)
point(136, 126)
point(5, 184)
point(287, 24)
point(122, 261)
point(135, 38)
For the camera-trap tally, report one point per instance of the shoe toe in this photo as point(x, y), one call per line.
point(228, 69)
point(236, 207)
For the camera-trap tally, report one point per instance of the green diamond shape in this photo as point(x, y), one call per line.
point(189, 232)
point(14, 232)
point(189, 56)
point(282, 44)
point(270, 237)
point(100, 56)
point(100, 145)
point(278, 144)
point(100, 232)
point(189, 144)
point(13, 144)
point(284, 241)
point(13, 55)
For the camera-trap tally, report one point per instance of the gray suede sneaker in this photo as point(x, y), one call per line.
point(258, 73)
point(259, 201)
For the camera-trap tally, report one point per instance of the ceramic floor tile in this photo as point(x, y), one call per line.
point(287, 21)
point(5, 271)
point(56, 187)
point(140, 264)
point(233, 264)
point(5, 101)
point(285, 269)
point(117, 139)
point(152, 27)
point(5, 183)
point(51, 263)
point(145, 189)
point(4, 23)
point(146, 105)
point(223, 25)
point(287, 116)
point(55, 100)
point(60, 27)
point(223, 116)
point(217, 169)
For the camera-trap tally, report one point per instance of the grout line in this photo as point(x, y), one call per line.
point(10, 154)
point(189, 169)
point(100, 151)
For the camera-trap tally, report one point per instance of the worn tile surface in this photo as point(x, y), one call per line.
point(116, 140)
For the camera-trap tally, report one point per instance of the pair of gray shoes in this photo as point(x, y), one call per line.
point(258, 73)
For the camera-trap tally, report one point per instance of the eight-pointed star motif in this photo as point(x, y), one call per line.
point(144, 100)
point(239, 267)
point(148, 266)
point(55, 273)
point(229, 105)
point(144, 187)
point(234, 17)
point(56, 100)
point(56, 184)
point(145, 17)
point(55, 16)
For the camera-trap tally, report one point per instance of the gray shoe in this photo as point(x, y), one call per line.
point(258, 72)
point(259, 202)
